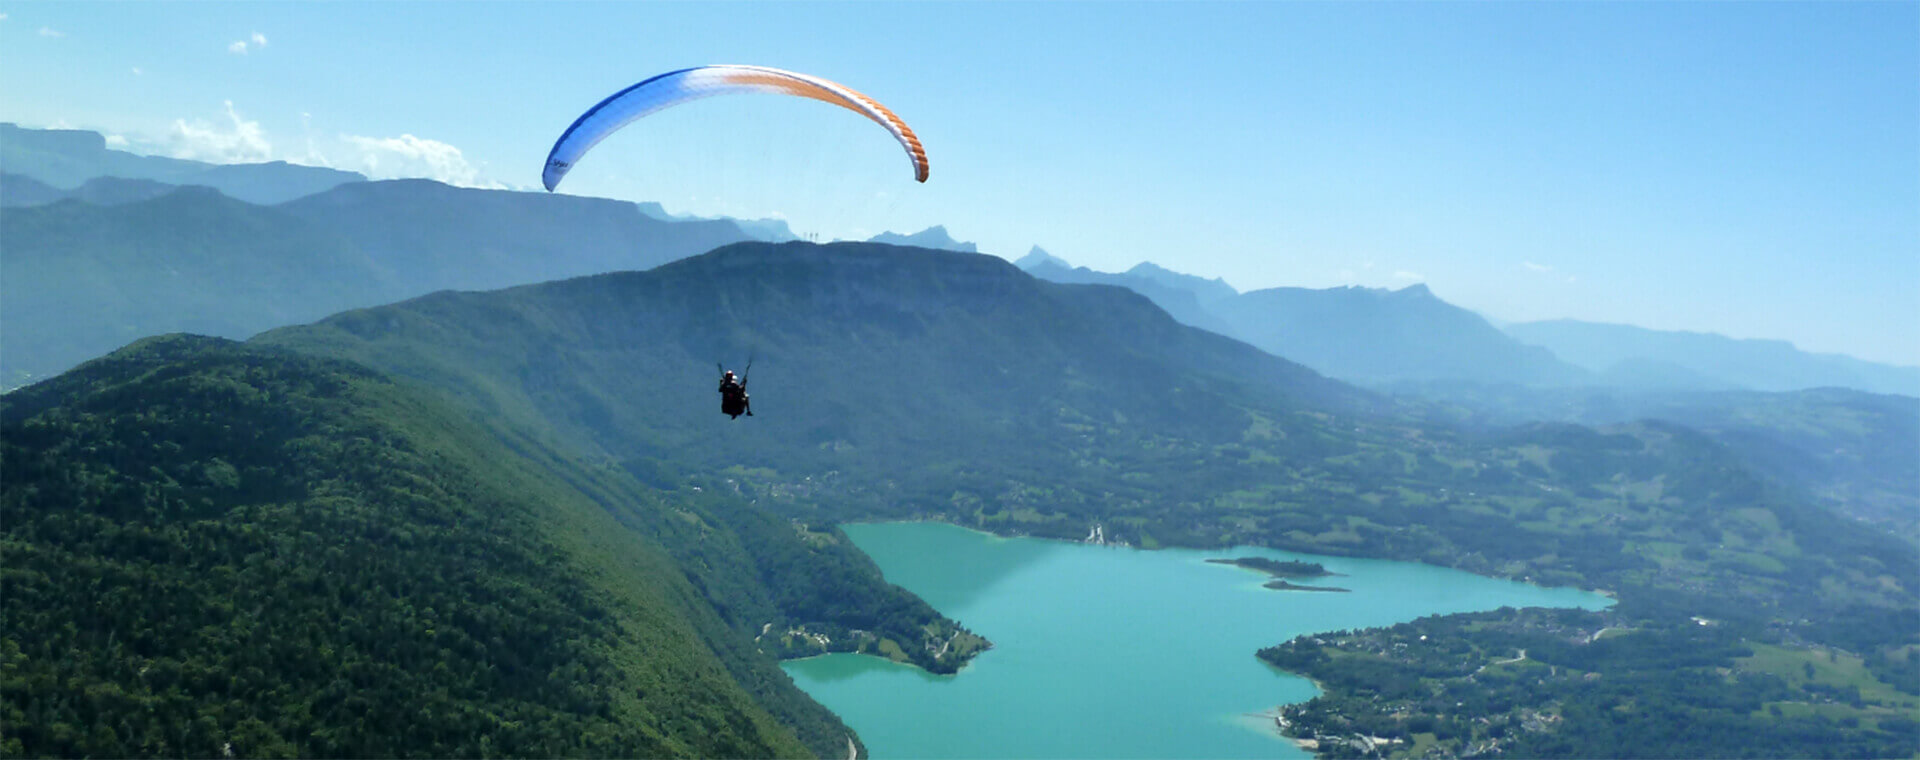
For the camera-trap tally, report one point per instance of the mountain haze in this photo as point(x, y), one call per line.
point(84, 278)
point(1715, 360)
point(1382, 336)
point(69, 158)
point(17, 190)
point(935, 237)
point(1178, 298)
point(1360, 335)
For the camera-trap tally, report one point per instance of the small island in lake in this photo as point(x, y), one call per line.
point(1288, 569)
point(1283, 570)
point(1285, 586)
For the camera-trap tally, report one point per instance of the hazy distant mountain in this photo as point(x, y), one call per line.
point(934, 237)
point(1640, 373)
point(1356, 334)
point(424, 236)
point(19, 191)
point(68, 158)
point(1716, 360)
point(1382, 336)
point(82, 279)
point(1038, 256)
point(765, 230)
point(1409, 337)
point(1207, 291)
point(1174, 296)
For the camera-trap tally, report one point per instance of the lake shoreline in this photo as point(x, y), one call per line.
point(1064, 613)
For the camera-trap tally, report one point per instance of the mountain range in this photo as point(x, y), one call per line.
point(65, 159)
point(1405, 338)
point(1362, 335)
point(84, 277)
point(935, 237)
point(1674, 360)
point(472, 239)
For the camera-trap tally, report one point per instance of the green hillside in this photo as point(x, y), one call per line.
point(889, 381)
point(212, 548)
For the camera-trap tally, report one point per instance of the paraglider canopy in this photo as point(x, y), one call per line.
point(676, 87)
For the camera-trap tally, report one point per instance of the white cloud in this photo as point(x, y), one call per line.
point(241, 47)
point(1402, 274)
point(410, 156)
point(237, 139)
point(51, 32)
point(1532, 267)
point(3, 16)
point(117, 142)
point(237, 142)
point(137, 71)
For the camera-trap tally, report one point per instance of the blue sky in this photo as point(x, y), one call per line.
point(1751, 169)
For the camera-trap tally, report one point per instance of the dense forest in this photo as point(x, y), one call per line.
point(214, 550)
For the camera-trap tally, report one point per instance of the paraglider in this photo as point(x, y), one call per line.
point(676, 87)
point(733, 394)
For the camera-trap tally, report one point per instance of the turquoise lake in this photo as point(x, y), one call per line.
point(1106, 652)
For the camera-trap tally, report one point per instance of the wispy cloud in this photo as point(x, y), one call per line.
point(1532, 267)
point(233, 138)
point(410, 156)
point(237, 141)
point(1402, 274)
point(118, 142)
point(137, 71)
point(254, 42)
point(47, 31)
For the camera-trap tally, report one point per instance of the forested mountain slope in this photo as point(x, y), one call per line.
point(214, 549)
point(902, 370)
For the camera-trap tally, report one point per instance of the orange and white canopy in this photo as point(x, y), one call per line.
point(676, 87)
